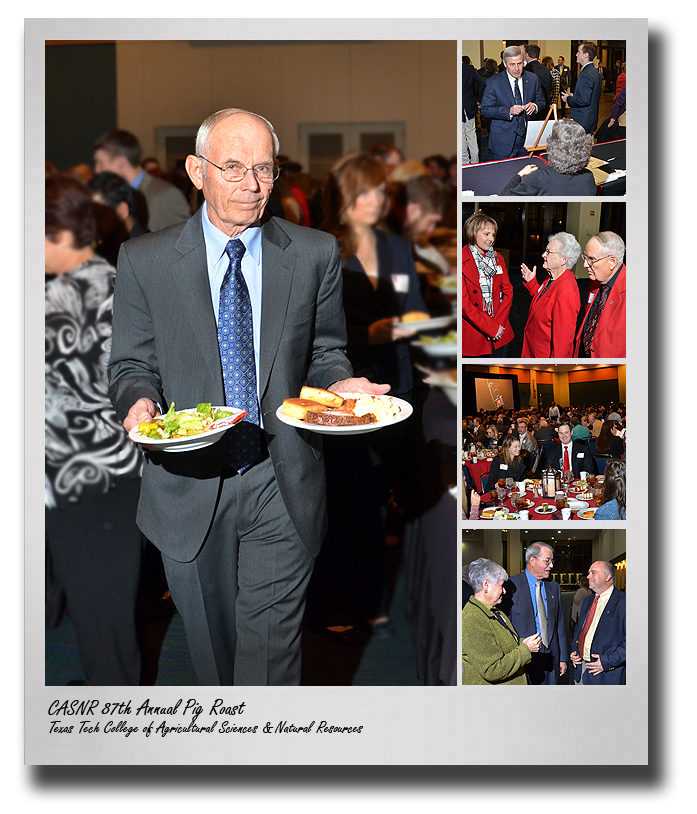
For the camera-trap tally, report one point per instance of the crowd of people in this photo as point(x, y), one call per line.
point(500, 100)
point(514, 629)
point(556, 327)
point(119, 353)
point(589, 439)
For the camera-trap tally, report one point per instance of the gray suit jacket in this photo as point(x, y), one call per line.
point(166, 204)
point(165, 348)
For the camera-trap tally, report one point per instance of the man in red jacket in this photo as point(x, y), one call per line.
point(603, 332)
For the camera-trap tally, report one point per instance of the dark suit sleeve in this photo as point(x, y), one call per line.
point(616, 656)
point(491, 107)
point(561, 631)
point(133, 367)
point(583, 92)
point(329, 363)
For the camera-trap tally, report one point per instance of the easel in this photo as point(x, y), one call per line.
point(542, 147)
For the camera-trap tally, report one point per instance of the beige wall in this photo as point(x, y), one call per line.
point(583, 221)
point(177, 84)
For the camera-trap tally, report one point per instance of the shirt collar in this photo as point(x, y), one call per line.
point(135, 183)
point(216, 240)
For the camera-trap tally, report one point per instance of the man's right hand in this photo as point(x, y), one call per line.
point(142, 410)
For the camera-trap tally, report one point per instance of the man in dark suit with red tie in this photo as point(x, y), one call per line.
point(600, 646)
point(510, 99)
point(570, 455)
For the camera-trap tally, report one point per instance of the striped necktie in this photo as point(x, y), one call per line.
point(520, 124)
point(592, 322)
point(586, 626)
point(236, 342)
point(541, 613)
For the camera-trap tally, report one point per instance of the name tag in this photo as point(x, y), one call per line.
point(503, 466)
point(591, 297)
point(579, 455)
point(401, 283)
point(499, 270)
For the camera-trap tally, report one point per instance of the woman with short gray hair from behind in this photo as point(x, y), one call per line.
point(563, 169)
point(492, 651)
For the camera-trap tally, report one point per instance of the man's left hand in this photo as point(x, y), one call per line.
point(595, 667)
point(360, 385)
point(562, 668)
point(530, 108)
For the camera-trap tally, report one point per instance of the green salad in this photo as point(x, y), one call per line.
point(183, 423)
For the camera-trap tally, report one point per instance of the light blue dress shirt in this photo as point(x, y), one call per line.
point(218, 262)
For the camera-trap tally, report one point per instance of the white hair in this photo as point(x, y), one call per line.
point(612, 244)
point(205, 129)
point(482, 569)
point(570, 247)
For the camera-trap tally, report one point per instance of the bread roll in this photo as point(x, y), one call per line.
point(415, 316)
point(299, 408)
point(325, 397)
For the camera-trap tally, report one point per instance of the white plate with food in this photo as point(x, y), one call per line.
point(576, 504)
point(439, 346)
point(187, 430)
point(546, 508)
point(587, 514)
point(321, 411)
point(498, 514)
point(426, 324)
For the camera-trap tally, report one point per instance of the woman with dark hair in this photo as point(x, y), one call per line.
point(507, 464)
point(554, 98)
point(614, 500)
point(92, 479)
point(608, 442)
point(565, 173)
point(366, 473)
point(487, 293)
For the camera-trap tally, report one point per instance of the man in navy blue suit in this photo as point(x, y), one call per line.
point(531, 54)
point(510, 99)
point(533, 604)
point(600, 646)
point(472, 89)
point(585, 100)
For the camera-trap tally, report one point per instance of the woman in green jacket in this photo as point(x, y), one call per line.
point(492, 651)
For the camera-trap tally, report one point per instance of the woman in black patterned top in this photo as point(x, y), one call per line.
point(92, 476)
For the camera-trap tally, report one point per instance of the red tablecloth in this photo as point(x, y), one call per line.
point(538, 501)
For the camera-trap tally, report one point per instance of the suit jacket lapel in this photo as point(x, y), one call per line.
point(189, 274)
point(277, 277)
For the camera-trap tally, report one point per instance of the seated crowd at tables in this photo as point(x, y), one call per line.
point(522, 444)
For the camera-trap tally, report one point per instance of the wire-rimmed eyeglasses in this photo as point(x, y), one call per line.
point(264, 173)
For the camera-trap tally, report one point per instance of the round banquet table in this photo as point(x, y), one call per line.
point(537, 502)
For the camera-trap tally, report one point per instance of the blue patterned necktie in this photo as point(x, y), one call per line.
point(520, 125)
point(236, 341)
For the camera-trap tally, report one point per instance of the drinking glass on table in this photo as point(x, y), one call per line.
point(568, 478)
point(560, 501)
point(493, 494)
point(509, 483)
point(598, 494)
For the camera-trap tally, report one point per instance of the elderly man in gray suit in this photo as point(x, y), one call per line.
point(240, 522)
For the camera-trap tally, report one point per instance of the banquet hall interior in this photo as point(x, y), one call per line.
point(574, 552)
point(587, 398)
point(325, 100)
point(523, 233)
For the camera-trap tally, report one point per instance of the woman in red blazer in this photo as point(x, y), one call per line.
point(487, 292)
point(551, 325)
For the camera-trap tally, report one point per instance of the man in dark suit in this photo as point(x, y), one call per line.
point(570, 454)
point(533, 604)
point(600, 637)
point(585, 100)
point(239, 522)
point(510, 99)
point(531, 54)
point(472, 90)
point(564, 81)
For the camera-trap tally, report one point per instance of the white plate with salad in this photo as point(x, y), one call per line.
point(186, 430)
point(438, 346)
